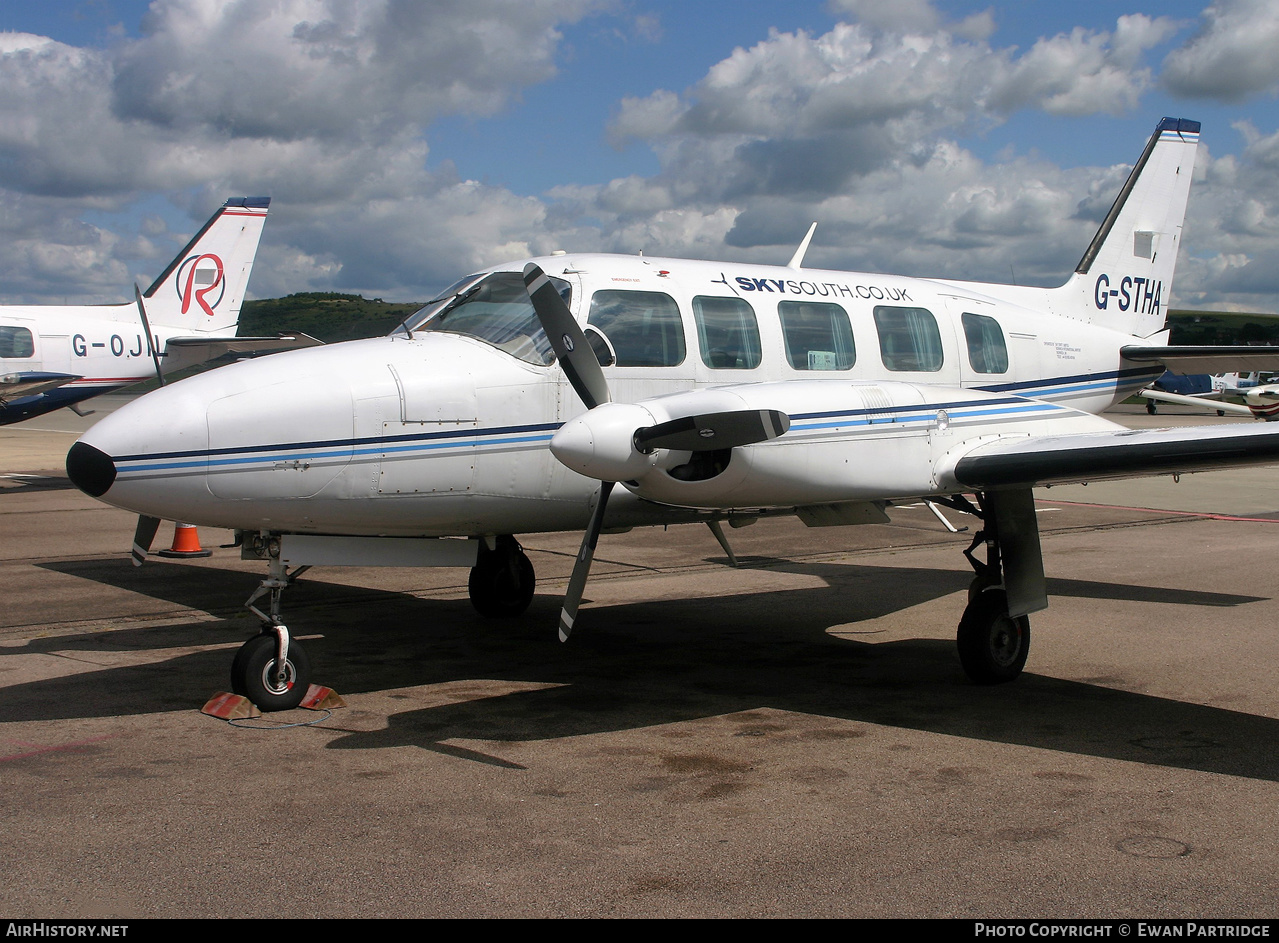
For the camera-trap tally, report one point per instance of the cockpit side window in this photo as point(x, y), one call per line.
point(727, 332)
point(987, 351)
point(908, 339)
point(643, 327)
point(16, 342)
point(818, 335)
point(497, 310)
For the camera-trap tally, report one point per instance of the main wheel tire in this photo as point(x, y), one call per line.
point(253, 674)
point(992, 644)
point(501, 586)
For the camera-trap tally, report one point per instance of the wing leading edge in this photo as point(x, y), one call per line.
point(1128, 453)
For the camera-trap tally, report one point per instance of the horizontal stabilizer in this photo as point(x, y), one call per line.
point(1127, 453)
point(17, 385)
point(212, 347)
point(1185, 361)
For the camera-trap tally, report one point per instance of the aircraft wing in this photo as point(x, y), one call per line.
point(217, 346)
point(1127, 453)
point(1188, 360)
point(17, 385)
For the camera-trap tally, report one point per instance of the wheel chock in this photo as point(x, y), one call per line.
point(320, 698)
point(186, 543)
point(230, 707)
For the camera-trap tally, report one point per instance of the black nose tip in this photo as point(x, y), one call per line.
point(90, 470)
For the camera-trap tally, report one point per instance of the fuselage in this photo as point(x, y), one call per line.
point(445, 429)
point(103, 346)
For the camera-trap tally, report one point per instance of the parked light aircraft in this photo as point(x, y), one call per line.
point(710, 391)
point(60, 355)
point(1260, 399)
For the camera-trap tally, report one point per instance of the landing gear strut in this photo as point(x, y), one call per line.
point(502, 580)
point(271, 669)
point(992, 643)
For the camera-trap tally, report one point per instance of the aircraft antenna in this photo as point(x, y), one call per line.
point(146, 326)
point(797, 260)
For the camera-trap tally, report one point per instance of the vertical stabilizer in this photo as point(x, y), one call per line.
point(1124, 280)
point(203, 288)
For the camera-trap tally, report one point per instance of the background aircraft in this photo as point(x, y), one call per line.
point(710, 391)
point(59, 355)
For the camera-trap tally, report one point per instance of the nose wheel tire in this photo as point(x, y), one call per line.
point(992, 644)
point(253, 674)
point(501, 584)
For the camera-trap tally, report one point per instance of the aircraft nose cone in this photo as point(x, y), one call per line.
point(90, 470)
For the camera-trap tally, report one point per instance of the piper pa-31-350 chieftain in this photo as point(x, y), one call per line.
point(710, 391)
point(59, 355)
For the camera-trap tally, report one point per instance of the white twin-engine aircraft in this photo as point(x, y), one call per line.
point(59, 355)
point(711, 391)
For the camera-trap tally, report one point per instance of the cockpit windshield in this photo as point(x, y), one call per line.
point(495, 309)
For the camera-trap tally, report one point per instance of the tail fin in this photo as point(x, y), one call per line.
point(1124, 279)
point(203, 288)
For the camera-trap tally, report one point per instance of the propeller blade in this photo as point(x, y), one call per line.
point(713, 431)
point(146, 326)
point(142, 537)
point(566, 337)
point(582, 568)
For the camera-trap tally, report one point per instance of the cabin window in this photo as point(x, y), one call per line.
point(643, 327)
point(727, 332)
point(987, 351)
point(908, 339)
point(16, 342)
point(497, 310)
point(818, 335)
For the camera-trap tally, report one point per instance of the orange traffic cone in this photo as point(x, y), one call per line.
point(186, 543)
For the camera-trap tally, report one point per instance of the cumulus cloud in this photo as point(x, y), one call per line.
point(1231, 56)
point(322, 104)
point(327, 106)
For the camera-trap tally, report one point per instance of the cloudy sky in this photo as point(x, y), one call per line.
point(405, 143)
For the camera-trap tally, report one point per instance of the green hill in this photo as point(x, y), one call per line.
point(325, 315)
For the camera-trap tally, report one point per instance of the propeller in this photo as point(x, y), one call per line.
point(142, 537)
point(705, 433)
point(566, 337)
point(713, 431)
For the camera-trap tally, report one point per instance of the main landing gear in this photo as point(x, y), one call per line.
point(993, 643)
point(271, 669)
point(502, 580)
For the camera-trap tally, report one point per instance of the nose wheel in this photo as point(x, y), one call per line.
point(272, 680)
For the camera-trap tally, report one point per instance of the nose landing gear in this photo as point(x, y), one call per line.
point(271, 669)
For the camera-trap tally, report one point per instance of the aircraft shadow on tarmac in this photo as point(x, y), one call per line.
point(658, 662)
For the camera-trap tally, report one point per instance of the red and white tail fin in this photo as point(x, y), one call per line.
point(202, 289)
point(1124, 279)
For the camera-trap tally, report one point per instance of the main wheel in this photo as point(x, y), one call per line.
point(992, 644)
point(501, 584)
point(253, 674)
